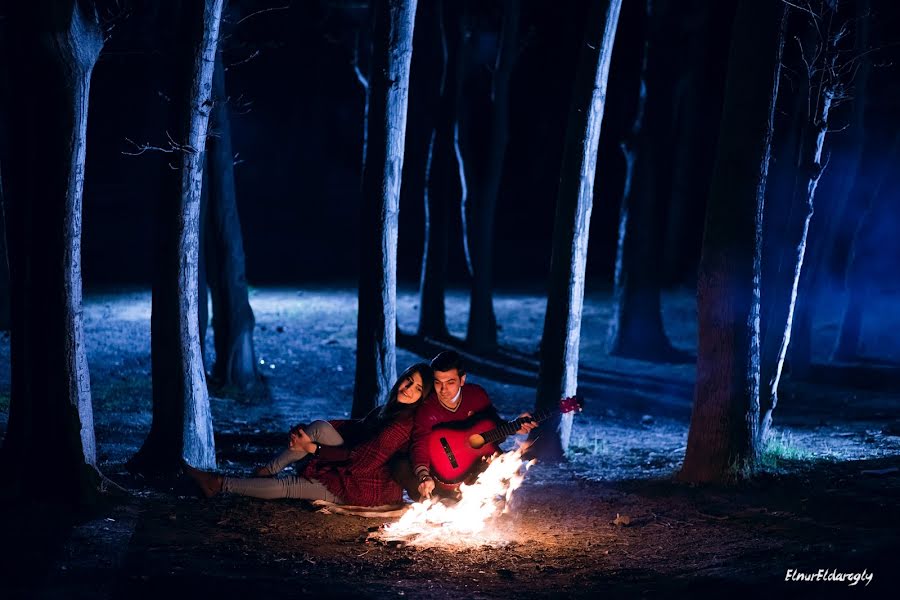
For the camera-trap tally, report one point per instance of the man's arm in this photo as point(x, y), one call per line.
point(418, 453)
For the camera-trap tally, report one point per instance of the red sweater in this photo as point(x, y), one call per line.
point(473, 399)
point(360, 475)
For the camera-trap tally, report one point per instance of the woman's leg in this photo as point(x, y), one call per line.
point(284, 487)
point(321, 432)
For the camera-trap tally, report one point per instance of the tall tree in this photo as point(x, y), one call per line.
point(233, 320)
point(182, 424)
point(815, 282)
point(636, 327)
point(558, 374)
point(483, 191)
point(52, 48)
point(443, 183)
point(387, 93)
point(823, 90)
point(725, 415)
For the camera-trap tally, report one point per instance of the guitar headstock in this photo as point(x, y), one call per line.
point(571, 404)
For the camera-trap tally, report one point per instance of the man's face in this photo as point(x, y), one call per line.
point(447, 384)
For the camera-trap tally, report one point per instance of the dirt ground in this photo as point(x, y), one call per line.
point(827, 500)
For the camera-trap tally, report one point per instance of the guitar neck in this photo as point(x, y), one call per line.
point(507, 429)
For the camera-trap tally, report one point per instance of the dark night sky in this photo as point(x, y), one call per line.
point(297, 120)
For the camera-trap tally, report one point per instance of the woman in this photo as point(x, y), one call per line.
point(350, 458)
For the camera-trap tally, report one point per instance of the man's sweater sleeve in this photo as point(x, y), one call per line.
point(419, 447)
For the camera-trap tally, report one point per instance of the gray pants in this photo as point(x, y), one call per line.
point(292, 486)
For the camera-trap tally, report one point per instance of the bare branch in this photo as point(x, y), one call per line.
point(259, 12)
point(172, 148)
point(798, 7)
point(244, 61)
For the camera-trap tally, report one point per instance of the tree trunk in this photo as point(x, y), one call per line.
point(53, 46)
point(821, 95)
point(636, 328)
point(444, 186)
point(233, 320)
point(722, 436)
point(816, 283)
point(388, 88)
point(202, 260)
point(558, 371)
point(182, 424)
point(483, 193)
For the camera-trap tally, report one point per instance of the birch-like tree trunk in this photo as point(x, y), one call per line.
point(824, 88)
point(182, 425)
point(52, 48)
point(388, 88)
point(722, 438)
point(558, 374)
point(816, 284)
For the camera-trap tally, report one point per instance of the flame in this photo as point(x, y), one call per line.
point(469, 521)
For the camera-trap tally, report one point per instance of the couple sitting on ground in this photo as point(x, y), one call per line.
point(369, 461)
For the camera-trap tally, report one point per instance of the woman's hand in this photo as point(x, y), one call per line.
point(300, 441)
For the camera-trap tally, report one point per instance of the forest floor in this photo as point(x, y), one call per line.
point(827, 499)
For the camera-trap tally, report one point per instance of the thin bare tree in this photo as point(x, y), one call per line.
point(558, 374)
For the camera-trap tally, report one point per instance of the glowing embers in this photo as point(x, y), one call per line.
point(471, 520)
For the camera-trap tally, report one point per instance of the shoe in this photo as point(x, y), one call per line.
point(209, 483)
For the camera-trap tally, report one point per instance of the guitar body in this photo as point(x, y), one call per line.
point(453, 459)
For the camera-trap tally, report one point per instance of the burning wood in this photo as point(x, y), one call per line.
point(468, 522)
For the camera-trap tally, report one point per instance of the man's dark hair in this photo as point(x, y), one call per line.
point(447, 361)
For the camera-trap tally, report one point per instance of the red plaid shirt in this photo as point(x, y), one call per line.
point(361, 475)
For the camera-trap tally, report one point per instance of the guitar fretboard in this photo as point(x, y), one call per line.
point(510, 427)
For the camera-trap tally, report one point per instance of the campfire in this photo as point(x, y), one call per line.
point(470, 521)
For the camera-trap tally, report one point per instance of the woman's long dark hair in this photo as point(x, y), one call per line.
point(393, 409)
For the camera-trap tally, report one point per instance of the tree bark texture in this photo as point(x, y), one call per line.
point(636, 328)
point(482, 193)
point(725, 415)
point(377, 298)
point(558, 371)
point(444, 186)
point(821, 93)
point(182, 425)
point(816, 284)
point(233, 320)
point(53, 46)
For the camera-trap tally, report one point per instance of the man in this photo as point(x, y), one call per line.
point(452, 400)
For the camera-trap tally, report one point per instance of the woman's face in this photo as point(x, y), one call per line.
point(410, 389)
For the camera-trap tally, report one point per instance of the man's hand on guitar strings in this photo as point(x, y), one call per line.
point(527, 425)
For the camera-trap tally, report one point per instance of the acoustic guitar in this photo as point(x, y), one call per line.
point(458, 448)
